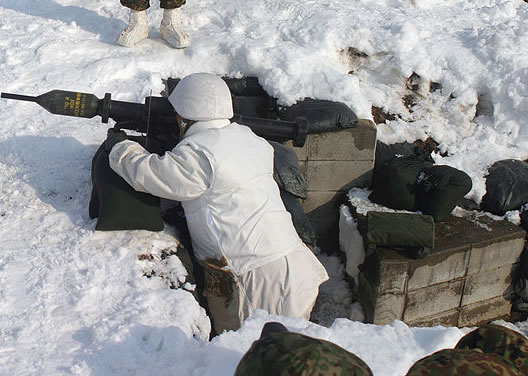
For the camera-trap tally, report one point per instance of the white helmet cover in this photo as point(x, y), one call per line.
point(202, 96)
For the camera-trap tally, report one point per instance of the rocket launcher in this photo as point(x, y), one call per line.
point(156, 117)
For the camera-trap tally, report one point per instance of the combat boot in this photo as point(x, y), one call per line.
point(171, 29)
point(137, 29)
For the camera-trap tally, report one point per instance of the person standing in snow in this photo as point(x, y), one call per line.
point(170, 28)
point(240, 230)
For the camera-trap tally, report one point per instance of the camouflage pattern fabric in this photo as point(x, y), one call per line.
point(145, 4)
point(461, 362)
point(498, 340)
point(293, 354)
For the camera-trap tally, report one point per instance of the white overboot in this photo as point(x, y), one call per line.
point(137, 29)
point(171, 29)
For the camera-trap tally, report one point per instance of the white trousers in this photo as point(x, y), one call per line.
point(287, 286)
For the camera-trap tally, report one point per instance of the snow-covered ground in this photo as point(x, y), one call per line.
point(76, 301)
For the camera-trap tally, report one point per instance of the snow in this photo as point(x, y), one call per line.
point(77, 301)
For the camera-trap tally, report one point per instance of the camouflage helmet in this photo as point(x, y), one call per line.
point(498, 340)
point(279, 352)
point(461, 362)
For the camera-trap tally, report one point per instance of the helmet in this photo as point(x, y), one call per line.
point(202, 96)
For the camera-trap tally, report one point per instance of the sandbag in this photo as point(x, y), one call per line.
point(245, 86)
point(413, 234)
point(322, 115)
point(300, 219)
point(286, 171)
point(440, 189)
point(292, 185)
point(256, 106)
point(394, 182)
point(116, 205)
point(506, 186)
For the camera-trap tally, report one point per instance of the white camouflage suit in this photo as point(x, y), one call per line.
point(240, 230)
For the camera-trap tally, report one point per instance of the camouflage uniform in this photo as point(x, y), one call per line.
point(281, 353)
point(145, 4)
point(462, 362)
point(498, 340)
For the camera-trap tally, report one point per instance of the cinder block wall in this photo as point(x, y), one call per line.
point(465, 281)
point(332, 163)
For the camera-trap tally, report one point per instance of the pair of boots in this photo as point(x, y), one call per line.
point(170, 28)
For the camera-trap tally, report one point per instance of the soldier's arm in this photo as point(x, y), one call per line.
point(181, 174)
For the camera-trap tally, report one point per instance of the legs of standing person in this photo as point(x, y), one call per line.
point(137, 29)
point(171, 26)
point(138, 5)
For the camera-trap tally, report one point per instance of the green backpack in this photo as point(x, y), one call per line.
point(440, 189)
point(394, 182)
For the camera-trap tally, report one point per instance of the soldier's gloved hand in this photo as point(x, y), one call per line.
point(113, 137)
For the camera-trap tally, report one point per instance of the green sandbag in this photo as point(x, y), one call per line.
point(394, 182)
point(411, 233)
point(440, 189)
point(116, 204)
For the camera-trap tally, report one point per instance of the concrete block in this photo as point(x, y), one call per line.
point(393, 278)
point(489, 284)
point(323, 212)
point(437, 268)
point(337, 175)
point(495, 255)
point(302, 168)
point(482, 312)
point(451, 236)
point(379, 308)
point(316, 199)
point(492, 230)
point(302, 153)
point(367, 296)
point(448, 318)
point(353, 144)
point(387, 270)
point(388, 307)
point(433, 300)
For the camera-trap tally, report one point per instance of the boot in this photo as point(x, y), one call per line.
point(171, 29)
point(137, 29)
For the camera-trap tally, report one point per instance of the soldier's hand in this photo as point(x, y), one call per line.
point(113, 137)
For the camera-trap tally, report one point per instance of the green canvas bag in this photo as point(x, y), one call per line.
point(413, 234)
point(394, 182)
point(116, 205)
point(440, 189)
